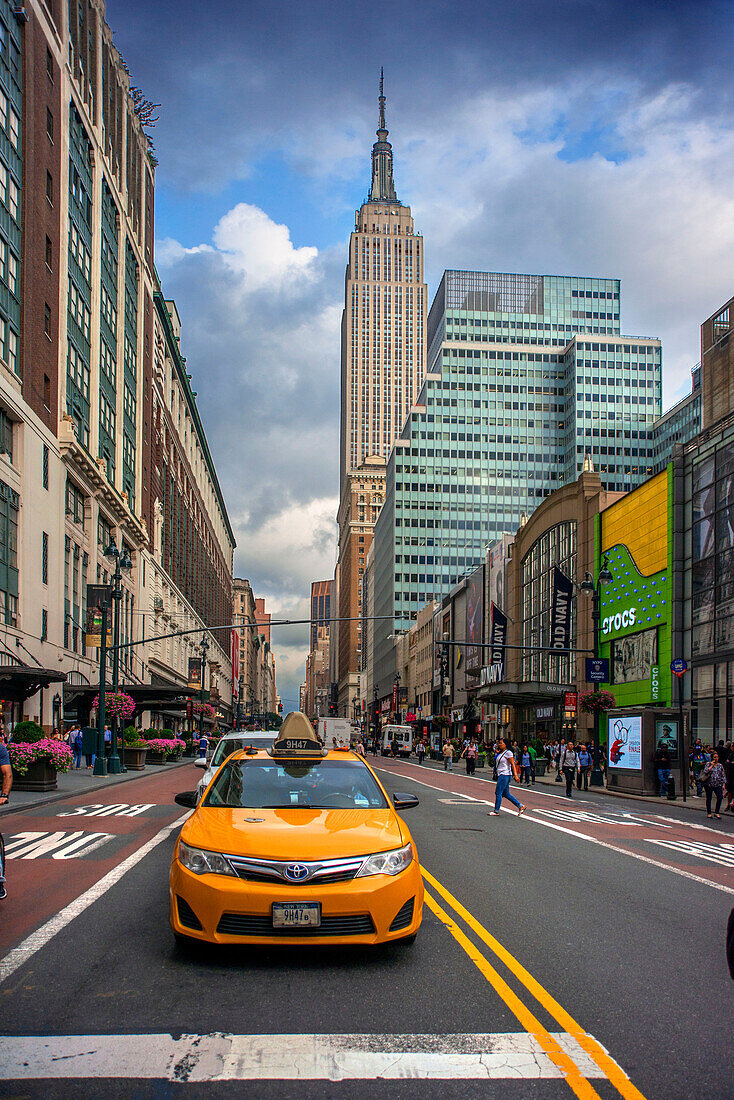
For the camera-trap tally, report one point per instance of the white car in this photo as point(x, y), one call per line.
point(231, 742)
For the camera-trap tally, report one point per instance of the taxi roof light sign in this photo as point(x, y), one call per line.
point(297, 738)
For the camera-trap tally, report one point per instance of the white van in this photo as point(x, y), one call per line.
point(404, 737)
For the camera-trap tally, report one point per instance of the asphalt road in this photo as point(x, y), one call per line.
point(544, 937)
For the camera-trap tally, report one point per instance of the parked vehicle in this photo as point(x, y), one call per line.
point(339, 728)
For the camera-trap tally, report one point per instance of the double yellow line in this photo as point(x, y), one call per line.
point(580, 1085)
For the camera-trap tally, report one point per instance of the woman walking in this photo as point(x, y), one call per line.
point(470, 752)
point(505, 764)
point(713, 779)
point(569, 762)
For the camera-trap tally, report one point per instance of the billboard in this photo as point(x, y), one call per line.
point(98, 597)
point(625, 743)
point(498, 555)
point(498, 641)
point(437, 649)
point(474, 623)
point(194, 678)
point(666, 735)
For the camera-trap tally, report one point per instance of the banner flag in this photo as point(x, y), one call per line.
point(560, 625)
point(498, 641)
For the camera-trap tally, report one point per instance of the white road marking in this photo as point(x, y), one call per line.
point(535, 790)
point(582, 816)
point(38, 939)
point(59, 845)
point(633, 855)
point(98, 809)
point(723, 854)
point(223, 1057)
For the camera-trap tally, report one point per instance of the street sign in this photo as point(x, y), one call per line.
point(597, 670)
point(678, 666)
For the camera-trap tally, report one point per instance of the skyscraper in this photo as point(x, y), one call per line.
point(382, 366)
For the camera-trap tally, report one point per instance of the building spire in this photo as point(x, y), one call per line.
point(383, 187)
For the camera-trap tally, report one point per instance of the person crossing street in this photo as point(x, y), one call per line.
point(506, 766)
point(568, 764)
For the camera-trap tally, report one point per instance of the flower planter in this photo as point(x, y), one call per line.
point(135, 758)
point(155, 757)
point(41, 776)
point(173, 756)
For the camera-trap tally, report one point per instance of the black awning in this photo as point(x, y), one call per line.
point(20, 682)
point(145, 695)
point(523, 693)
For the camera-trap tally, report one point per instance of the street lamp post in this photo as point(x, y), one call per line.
point(122, 567)
point(204, 647)
point(594, 587)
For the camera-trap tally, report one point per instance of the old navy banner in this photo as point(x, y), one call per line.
point(560, 631)
point(498, 641)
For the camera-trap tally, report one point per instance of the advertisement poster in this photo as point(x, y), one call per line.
point(625, 743)
point(437, 648)
point(195, 673)
point(560, 624)
point(98, 596)
point(666, 735)
point(634, 656)
point(498, 642)
point(474, 624)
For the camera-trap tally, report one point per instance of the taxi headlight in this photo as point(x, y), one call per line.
point(201, 862)
point(387, 863)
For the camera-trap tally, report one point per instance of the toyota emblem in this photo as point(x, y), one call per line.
point(296, 872)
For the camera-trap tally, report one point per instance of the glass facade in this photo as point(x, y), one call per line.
point(526, 376)
point(708, 617)
point(556, 546)
point(678, 425)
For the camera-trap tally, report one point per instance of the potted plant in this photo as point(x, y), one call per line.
point(177, 746)
point(37, 759)
point(135, 749)
point(158, 748)
point(118, 704)
point(591, 702)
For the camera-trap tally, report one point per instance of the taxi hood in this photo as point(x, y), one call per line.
point(293, 832)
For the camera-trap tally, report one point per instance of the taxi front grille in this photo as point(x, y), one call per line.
point(243, 924)
point(323, 871)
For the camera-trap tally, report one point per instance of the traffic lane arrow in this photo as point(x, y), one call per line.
point(56, 852)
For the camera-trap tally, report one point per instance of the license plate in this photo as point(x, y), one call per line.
point(297, 914)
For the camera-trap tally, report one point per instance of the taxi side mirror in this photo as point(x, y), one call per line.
point(404, 801)
point(187, 799)
point(200, 762)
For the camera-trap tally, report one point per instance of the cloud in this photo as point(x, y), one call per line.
point(256, 248)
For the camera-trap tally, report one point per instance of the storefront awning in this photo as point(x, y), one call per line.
point(20, 682)
point(146, 696)
point(523, 693)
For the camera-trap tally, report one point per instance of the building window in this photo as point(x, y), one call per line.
point(50, 188)
point(50, 125)
point(49, 65)
point(49, 252)
point(45, 462)
point(44, 624)
point(9, 505)
point(47, 319)
point(47, 392)
point(44, 557)
point(6, 435)
point(74, 503)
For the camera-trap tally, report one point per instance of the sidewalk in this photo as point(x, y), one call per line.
point(81, 782)
point(693, 802)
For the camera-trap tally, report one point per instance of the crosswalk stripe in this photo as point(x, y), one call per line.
point(225, 1057)
point(723, 854)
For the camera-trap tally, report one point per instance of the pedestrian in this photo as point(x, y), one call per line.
point(506, 769)
point(661, 760)
point(470, 752)
point(556, 755)
point(421, 751)
point(6, 771)
point(568, 764)
point(713, 780)
point(76, 739)
point(107, 741)
point(202, 746)
point(698, 762)
point(359, 748)
point(448, 756)
point(532, 754)
point(584, 767)
point(394, 746)
point(729, 769)
point(525, 777)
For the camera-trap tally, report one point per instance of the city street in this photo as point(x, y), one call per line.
point(576, 951)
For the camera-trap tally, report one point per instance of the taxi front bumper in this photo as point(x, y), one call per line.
point(223, 909)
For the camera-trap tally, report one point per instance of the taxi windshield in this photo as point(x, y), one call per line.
point(277, 784)
point(234, 744)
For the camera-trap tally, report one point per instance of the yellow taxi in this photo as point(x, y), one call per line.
point(295, 844)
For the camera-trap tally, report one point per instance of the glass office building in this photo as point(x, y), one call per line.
point(527, 375)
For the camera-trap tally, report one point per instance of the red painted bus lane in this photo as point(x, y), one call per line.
point(54, 853)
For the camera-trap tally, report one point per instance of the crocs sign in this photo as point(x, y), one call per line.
point(620, 621)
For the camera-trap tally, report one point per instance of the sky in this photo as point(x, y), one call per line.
point(587, 137)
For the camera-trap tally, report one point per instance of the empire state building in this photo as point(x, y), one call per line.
point(383, 359)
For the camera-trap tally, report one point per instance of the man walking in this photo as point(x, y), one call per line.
point(584, 767)
point(420, 752)
point(448, 756)
point(568, 763)
point(504, 764)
